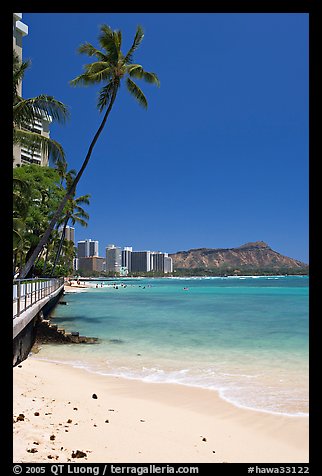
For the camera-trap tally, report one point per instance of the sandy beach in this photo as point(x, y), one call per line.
point(67, 412)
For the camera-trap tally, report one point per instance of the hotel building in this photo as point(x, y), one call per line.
point(87, 248)
point(91, 263)
point(22, 155)
point(113, 260)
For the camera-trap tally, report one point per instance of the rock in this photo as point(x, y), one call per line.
point(79, 454)
point(94, 396)
point(52, 437)
point(32, 450)
point(69, 420)
point(21, 417)
point(36, 413)
point(204, 439)
point(106, 421)
point(75, 408)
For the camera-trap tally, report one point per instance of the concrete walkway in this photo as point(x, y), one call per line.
point(21, 321)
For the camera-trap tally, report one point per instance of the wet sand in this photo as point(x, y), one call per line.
point(132, 421)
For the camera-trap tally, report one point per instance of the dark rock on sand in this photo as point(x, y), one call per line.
point(94, 396)
point(78, 454)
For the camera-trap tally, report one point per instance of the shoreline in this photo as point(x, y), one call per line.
point(136, 421)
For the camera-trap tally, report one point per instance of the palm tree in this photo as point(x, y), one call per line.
point(27, 111)
point(110, 68)
point(75, 214)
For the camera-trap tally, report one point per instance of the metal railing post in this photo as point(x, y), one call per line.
point(32, 291)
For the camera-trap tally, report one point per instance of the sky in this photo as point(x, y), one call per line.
point(220, 157)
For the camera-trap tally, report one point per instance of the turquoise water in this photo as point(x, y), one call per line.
point(245, 337)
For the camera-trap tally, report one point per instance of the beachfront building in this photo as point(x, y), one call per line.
point(113, 258)
point(141, 261)
point(22, 155)
point(87, 248)
point(168, 263)
point(127, 257)
point(70, 233)
point(91, 263)
point(161, 262)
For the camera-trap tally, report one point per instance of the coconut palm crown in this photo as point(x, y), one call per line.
point(111, 66)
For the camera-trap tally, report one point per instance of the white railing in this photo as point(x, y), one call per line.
point(26, 292)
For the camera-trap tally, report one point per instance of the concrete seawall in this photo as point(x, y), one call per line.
point(25, 325)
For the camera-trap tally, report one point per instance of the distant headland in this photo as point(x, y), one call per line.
point(249, 259)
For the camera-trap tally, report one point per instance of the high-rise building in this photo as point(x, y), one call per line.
point(91, 263)
point(127, 257)
point(141, 261)
point(157, 261)
point(70, 233)
point(168, 264)
point(22, 155)
point(113, 258)
point(87, 248)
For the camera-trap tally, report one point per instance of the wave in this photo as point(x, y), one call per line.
point(155, 375)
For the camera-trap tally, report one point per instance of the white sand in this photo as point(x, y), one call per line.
point(133, 421)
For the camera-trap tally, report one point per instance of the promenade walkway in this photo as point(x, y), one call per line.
point(30, 296)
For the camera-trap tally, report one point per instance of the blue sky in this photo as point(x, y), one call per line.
point(220, 158)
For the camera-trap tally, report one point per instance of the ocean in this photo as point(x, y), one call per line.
point(243, 337)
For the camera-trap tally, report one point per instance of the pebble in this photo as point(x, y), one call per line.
point(78, 454)
point(94, 396)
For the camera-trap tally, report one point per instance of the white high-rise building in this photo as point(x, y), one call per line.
point(22, 155)
point(113, 258)
point(127, 257)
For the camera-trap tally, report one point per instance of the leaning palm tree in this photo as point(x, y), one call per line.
point(74, 214)
point(26, 112)
point(109, 68)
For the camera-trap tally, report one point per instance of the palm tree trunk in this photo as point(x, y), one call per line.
point(59, 246)
point(68, 195)
point(45, 261)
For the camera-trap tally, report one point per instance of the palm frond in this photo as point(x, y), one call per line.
point(105, 96)
point(90, 50)
point(109, 42)
point(136, 92)
point(92, 76)
point(136, 43)
point(19, 69)
point(151, 78)
point(83, 199)
point(118, 39)
point(40, 107)
point(137, 71)
point(36, 142)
